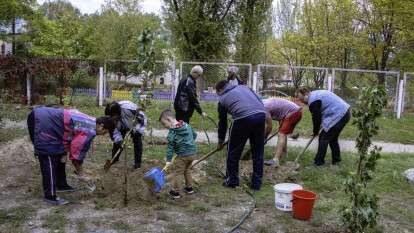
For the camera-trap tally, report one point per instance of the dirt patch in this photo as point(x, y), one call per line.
point(284, 173)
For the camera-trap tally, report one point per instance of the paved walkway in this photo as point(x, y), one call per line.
point(346, 145)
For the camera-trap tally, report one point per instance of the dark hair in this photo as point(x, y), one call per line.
point(166, 113)
point(107, 123)
point(220, 85)
point(113, 109)
point(302, 91)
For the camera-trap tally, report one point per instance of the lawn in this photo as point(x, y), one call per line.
point(391, 129)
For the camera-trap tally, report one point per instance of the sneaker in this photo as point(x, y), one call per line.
point(57, 201)
point(272, 163)
point(189, 190)
point(175, 195)
point(67, 188)
point(136, 166)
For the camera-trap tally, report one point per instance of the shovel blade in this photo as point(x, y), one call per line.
point(107, 165)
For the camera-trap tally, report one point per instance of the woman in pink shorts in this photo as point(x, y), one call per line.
point(288, 114)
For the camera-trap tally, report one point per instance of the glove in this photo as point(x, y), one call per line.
point(203, 114)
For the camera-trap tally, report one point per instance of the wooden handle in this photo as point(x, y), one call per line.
point(206, 156)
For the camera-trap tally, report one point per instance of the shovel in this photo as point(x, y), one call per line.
point(206, 156)
point(295, 164)
point(109, 162)
point(248, 153)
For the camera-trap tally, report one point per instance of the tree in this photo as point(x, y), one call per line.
point(146, 58)
point(12, 12)
point(251, 31)
point(362, 210)
point(200, 28)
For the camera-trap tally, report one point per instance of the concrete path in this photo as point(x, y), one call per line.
point(346, 145)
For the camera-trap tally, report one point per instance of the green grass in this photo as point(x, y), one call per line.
point(394, 191)
point(12, 220)
point(391, 129)
point(55, 221)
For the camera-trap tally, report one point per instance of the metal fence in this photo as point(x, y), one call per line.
point(214, 72)
point(282, 80)
point(347, 83)
point(88, 82)
point(408, 94)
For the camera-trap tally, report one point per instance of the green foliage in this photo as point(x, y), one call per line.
point(146, 57)
point(362, 210)
point(252, 17)
point(200, 29)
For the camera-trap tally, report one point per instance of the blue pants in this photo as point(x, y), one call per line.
point(53, 174)
point(252, 128)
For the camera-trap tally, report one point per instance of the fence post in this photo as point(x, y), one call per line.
point(28, 89)
point(400, 97)
point(330, 83)
point(101, 85)
point(254, 87)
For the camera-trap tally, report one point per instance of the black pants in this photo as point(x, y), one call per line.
point(183, 116)
point(53, 174)
point(331, 138)
point(252, 128)
point(137, 140)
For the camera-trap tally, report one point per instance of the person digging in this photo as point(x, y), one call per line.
point(128, 118)
point(330, 111)
point(288, 114)
point(55, 132)
point(248, 115)
point(181, 141)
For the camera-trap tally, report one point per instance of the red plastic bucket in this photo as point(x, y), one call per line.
point(302, 204)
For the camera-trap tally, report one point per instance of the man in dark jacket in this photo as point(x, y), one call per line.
point(232, 76)
point(186, 99)
point(249, 117)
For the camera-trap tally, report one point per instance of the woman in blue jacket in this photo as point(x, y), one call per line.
point(330, 111)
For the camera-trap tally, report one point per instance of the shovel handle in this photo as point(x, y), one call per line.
point(108, 163)
point(304, 150)
point(207, 155)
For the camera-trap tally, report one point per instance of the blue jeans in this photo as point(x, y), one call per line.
point(252, 128)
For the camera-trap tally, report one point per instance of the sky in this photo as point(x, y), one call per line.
point(91, 6)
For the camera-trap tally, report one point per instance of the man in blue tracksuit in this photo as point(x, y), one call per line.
point(249, 116)
point(333, 113)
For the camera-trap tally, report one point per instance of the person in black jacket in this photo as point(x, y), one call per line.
point(186, 99)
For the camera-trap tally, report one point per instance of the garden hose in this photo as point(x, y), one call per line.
point(204, 130)
point(248, 213)
point(245, 189)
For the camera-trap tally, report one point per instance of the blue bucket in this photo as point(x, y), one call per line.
point(155, 179)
